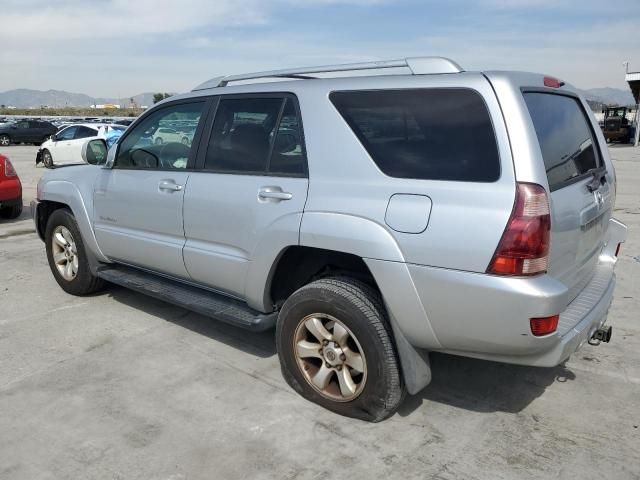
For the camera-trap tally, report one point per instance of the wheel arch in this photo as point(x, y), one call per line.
point(58, 194)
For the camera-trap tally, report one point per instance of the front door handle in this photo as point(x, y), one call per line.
point(273, 194)
point(170, 186)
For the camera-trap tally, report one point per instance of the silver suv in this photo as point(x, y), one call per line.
point(371, 219)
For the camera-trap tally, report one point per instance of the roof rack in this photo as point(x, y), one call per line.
point(417, 66)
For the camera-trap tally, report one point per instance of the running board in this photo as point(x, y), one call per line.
point(204, 302)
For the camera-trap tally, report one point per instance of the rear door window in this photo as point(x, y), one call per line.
point(568, 146)
point(85, 132)
point(427, 134)
point(241, 136)
point(288, 156)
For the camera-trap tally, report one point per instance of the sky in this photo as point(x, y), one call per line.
point(119, 48)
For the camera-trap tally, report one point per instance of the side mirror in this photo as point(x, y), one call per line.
point(94, 152)
point(53, 137)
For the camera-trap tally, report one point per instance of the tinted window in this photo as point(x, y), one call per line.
point(288, 154)
point(24, 125)
point(567, 143)
point(145, 147)
point(66, 134)
point(434, 134)
point(242, 134)
point(85, 132)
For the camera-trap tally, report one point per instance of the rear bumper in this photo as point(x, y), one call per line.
point(12, 202)
point(485, 316)
point(10, 190)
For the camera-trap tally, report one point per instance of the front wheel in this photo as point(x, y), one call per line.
point(336, 349)
point(67, 256)
point(47, 159)
point(5, 141)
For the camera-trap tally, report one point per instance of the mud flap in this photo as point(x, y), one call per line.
point(416, 367)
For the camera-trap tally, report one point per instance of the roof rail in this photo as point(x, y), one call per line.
point(417, 66)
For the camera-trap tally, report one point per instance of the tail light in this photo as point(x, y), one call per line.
point(9, 171)
point(544, 325)
point(524, 246)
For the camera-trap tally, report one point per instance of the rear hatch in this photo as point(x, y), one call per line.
point(580, 186)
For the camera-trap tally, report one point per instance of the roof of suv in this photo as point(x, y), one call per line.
point(415, 65)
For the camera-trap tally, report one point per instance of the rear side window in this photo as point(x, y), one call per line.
point(427, 134)
point(566, 140)
point(256, 135)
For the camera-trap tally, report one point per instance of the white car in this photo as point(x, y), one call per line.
point(64, 147)
point(169, 135)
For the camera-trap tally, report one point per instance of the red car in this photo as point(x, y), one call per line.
point(10, 190)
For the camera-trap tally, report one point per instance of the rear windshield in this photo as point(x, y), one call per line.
point(566, 140)
point(427, 134)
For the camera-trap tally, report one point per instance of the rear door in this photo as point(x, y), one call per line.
point(580, 185)
point(246, 201)
point(138, 203)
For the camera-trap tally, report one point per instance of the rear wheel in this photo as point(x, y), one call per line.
point(11, 212)
point(67, 256)
point(5, 141)
point(159, 141)
point(47, 159)
point(336, 349)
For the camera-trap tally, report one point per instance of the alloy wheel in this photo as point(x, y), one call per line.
point(330, 357)
point(65, 253)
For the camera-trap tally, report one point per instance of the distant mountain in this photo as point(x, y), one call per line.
point(25, 98)
point(609, 96)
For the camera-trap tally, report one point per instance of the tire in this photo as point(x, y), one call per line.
point(376, 390)
point(47, 159)
point(10, 213)
point(5, 141)
point(185, 141)
point(83, 282)
point(158, 141)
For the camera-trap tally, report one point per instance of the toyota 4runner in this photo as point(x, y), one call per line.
point(371, 219)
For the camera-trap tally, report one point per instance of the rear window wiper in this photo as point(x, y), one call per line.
point(598, 178)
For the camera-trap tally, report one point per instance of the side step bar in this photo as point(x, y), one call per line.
point(204, 302)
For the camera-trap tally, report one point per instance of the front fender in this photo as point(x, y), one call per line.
point(65, 192)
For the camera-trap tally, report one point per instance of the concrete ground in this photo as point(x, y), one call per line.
point(120, 386)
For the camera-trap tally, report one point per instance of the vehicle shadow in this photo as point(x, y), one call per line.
point(483, 386)
point(471, 384)
point(259, 344)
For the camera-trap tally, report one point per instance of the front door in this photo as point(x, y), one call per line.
point(138, 202)
point(245, 202)
point(60, 147)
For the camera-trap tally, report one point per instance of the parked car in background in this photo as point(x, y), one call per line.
point(440, 210)
point(26, 131)
point(64, 146)
point(10, 190)
point(169, 135)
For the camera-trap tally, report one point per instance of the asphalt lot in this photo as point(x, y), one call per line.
point(121, 386)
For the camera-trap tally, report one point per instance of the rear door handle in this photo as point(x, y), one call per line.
point(273, 193)
point(170, 186)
